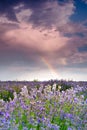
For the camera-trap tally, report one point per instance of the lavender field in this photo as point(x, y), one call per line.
point(48, 105)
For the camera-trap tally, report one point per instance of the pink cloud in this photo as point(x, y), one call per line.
point(57, 48)
point(46, 41)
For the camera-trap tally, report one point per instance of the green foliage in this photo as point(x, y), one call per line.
point(20, 127)
point(35, 80)
point(82, 93)
point(37, 86)
point(17, 89)
point(63, 123)
point(64, 87)
point(47, 106)
point(6, 95)
point(67, 107)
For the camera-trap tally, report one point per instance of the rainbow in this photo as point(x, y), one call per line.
point(50, 67)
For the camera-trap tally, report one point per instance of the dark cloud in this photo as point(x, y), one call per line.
point(83, 48)
point(44, 13)
point(6, 8)
point(48, 14)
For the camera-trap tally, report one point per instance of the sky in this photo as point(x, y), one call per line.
point(43, 40)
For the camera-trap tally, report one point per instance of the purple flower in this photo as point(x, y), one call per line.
point(39, 121)
point(55, 127)
point(70, 116)
point(34, 96)
point(42, 108)
point(31, 120)
point(62, 114)
point(69, 128)
point(76, 100)
point(49, 125)
point(86, 100)
point(43, 118)
point(7, 115)
point(1, 113)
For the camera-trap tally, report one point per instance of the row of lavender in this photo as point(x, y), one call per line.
point(11, 84)
point(45, 106)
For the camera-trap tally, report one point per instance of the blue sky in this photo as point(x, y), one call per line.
point(43, 39)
